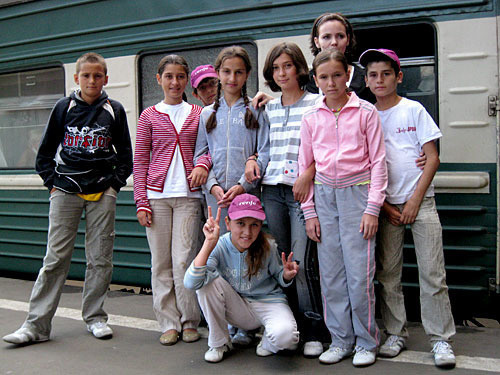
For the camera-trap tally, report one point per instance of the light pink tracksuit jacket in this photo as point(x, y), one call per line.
point(347, 150)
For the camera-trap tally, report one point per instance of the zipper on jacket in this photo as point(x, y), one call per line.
point(227, 147)
point(240, 273)
point(338, 145)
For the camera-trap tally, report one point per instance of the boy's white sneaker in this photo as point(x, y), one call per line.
point(214, 355)
point(25, 335)
point(100, 330)
point(392, 346)
point(261, 352)
point(443, 354)
point(334, 354)
point(363, 357)
point(313, 349)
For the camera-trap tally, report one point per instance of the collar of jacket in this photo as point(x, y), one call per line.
point(353, 102)
point(230, 245)
point(239, 103)
point(75, 95)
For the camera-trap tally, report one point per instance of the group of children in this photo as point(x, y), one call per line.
point(326, 165)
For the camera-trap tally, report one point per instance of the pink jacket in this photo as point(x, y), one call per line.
point(156, 141)
point(347, 150)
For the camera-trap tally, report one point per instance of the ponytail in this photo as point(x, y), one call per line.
point(250, 120)
point(212, 120)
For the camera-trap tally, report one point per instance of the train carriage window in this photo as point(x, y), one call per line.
point(151, 93)
point(26, 99)
point(415, 45)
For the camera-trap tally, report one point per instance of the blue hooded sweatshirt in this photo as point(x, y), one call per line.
point(227, 261)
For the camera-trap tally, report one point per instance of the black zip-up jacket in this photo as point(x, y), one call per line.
point(86, 148)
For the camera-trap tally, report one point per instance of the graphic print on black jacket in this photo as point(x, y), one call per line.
point(86, 148)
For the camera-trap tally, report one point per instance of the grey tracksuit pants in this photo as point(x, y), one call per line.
point(347, 267)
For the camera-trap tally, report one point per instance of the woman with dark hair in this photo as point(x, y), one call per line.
point(334, 31)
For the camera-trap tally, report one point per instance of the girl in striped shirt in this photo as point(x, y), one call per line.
point(285, 70)
point(166, 204)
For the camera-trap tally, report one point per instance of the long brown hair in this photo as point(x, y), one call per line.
point(257, 253)
point(229, 53)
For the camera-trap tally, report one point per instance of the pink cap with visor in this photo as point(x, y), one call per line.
point(374, 54)
point(200, 73)
point(246, 205)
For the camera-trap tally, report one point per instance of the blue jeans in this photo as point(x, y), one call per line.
point(286, 223)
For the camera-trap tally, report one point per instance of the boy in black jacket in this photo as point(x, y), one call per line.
point(85, 157)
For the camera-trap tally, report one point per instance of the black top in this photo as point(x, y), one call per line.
point(86, 148)
point(357, 85)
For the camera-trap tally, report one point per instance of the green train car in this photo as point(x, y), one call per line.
point(449, 51)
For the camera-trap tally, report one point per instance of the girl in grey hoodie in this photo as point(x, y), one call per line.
point(232, 131)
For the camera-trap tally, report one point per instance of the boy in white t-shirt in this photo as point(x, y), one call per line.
point(408, 130)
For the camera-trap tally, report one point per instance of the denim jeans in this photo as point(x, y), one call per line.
point(434, 301)
point(286, 224)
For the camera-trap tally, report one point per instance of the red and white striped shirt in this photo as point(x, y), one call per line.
point(156, 142)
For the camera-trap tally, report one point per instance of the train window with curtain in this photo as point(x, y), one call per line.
point(151, 93)
point(26, 99)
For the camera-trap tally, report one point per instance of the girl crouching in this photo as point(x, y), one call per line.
point(238, 278)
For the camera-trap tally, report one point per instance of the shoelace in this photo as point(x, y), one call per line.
point(337, 350)
point(442, 347)
point(393, 339)
point(361, 350)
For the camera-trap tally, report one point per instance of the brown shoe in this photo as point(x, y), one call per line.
point(170, 337)
point(190, 335)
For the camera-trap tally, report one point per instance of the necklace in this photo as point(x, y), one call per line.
point(337, 110)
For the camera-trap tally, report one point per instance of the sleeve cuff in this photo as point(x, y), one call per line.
point(372, 209)
point(309, 212)
point(200, 164)
point(144, 208)
point(245, 184)
point(284, 284)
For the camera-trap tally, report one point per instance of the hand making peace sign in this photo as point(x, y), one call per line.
point(290, 267)
point(211, 229)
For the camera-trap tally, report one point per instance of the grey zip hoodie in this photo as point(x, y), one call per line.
point(231, 143)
